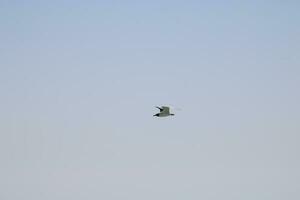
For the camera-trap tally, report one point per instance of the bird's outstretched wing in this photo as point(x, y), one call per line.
point(160, 109)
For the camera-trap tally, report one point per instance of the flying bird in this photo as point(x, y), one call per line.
point(164, 111)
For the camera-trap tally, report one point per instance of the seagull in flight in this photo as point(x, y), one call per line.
point(164, 111)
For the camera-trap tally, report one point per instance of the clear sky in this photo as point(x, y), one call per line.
point(79, 82)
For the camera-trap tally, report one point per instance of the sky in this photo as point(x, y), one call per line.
point(80, 80)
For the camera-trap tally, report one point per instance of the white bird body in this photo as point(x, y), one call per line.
point(164, 112)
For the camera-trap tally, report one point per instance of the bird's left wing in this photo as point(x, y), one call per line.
point(160, 109)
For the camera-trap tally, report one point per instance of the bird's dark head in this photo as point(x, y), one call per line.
point(172, 114)
point(156, 115)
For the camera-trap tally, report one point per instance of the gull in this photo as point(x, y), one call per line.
point(164, 112)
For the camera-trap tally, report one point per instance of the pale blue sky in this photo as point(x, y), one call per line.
point(79, 83)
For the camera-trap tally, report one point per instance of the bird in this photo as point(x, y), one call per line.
point(164, 111)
